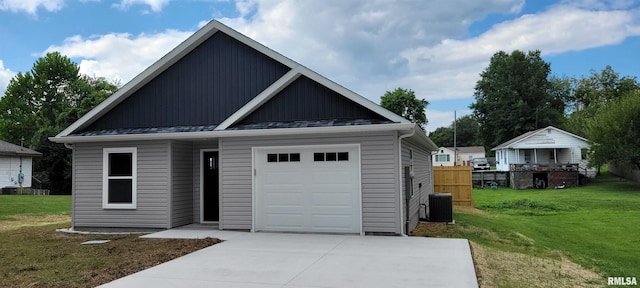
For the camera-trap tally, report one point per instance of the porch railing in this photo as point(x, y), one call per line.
point(544, 167)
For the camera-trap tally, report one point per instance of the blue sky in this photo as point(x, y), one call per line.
point(436, 48)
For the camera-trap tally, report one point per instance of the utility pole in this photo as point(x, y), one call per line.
point(455, 148)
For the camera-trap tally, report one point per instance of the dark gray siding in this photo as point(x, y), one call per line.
point(305, 99)
point(181, 183)
point(195, 170)
point(379, 170)
point(423, 171)
point(205, 87)
point(153, 187)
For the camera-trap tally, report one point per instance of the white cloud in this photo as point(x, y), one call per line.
point(378, 45)
point(5, 77)
point(453, 66)
point(30, 6)
point(375, 46)
point(119, 56)
point(360, 44)
point(154, 5)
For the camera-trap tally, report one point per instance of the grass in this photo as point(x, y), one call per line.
point(595, 226)
point(13, 205)
point(34, 255)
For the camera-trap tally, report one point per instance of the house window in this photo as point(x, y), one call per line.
point(527, 156)
point(443, 158)
point(552, 155)
point(119, 180)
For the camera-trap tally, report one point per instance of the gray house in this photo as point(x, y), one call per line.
point(224, 130)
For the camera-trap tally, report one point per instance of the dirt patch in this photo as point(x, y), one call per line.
point(470, 210)
point(132, 259)
point(22, 221)
point(495, 268)
point(429, 229)
point(34, 255)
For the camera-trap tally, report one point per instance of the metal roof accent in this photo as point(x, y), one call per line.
point(302, 124)
point(124, 131)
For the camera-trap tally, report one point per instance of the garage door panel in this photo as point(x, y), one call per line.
point(285, 221)
point(309, 195)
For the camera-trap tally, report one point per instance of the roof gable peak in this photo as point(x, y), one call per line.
point(192, 43)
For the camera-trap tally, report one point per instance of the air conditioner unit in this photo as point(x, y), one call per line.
point(440, 207)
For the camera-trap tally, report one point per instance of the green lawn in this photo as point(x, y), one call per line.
point(596, 225)
point(13, 205)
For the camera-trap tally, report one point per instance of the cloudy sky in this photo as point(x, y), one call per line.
point(436, 48)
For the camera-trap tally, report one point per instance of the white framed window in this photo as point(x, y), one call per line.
point(443, 158)
point(119, 178)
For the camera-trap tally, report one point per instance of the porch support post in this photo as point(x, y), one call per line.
point(555, 156)
point(535, 155)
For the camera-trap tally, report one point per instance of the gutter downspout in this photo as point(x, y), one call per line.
point(403, 231)
point(73, 194)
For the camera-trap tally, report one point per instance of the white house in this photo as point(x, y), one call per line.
point(548, 146)
point(15, 161)
point(445, 155)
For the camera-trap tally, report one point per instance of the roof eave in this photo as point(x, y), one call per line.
point(235, 133)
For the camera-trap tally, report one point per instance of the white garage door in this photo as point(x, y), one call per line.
point(307, 189)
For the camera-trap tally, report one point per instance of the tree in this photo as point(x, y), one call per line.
point(615, 133)
point(590, 94)
point(404, 103)
point(467, 133)
point(514, 96)
point(42, 102)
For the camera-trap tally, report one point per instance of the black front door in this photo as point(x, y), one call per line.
point(210, 188)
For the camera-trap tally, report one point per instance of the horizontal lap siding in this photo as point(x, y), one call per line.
point(423, 173)
point(182, 183)
point(152, 186)
point(379, 185)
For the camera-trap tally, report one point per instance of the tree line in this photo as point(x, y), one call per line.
point(517, 93)
point(41, 103)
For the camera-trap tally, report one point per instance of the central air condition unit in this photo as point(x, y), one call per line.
point(440, 207)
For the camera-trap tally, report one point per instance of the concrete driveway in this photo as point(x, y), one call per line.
point(310, 260)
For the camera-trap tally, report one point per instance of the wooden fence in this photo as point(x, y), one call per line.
point(455, 180)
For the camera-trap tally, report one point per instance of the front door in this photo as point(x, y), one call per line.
point(210, 188)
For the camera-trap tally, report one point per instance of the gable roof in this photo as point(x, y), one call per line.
point(189, 45)
point(8, 149)
point(469, 149)
point(527, 135)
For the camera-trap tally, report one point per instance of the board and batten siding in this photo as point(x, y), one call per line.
point(152, 209)
point(423, 174)
point(379, 167)
point(197, 173)
point(181, 183)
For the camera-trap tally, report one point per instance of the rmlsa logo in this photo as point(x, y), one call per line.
point(622, 281)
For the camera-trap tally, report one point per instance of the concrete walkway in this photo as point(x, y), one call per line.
point(311, 260)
